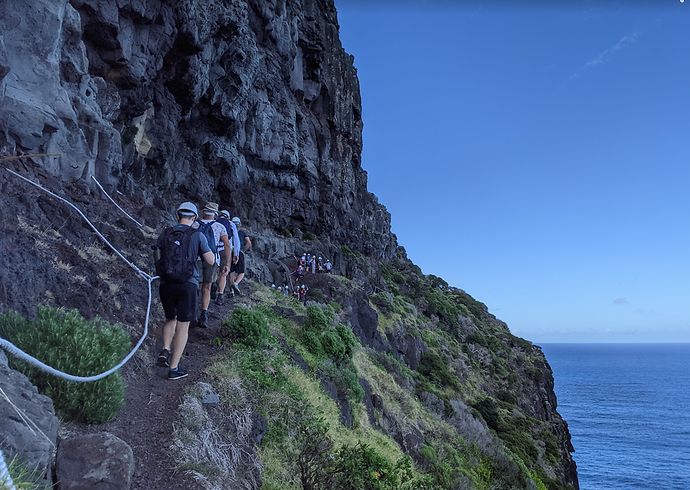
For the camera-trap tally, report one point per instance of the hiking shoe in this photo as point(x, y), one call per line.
point(214, 291)
point(236, 289)
point(177, 374)
point(219, 299)
point(163, 358)
point(201, 322)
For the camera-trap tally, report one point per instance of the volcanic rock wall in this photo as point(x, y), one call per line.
point(251, 104)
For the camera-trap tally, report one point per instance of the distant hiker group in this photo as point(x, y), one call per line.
point(193, 252)
point(310, 263)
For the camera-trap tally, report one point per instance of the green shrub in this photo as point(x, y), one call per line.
point(348, 338)
point(67, 342)
point(390, 275)
point(435, 368)
point(332, 344)
point(550, 440)
point(248, 327)
point(345, 376)
point(287, 233)
point(488, 409)
point(323, 340)
point(336, 306)
point(382, 300)
point(507, 397)
point(317, 321)
point(308, 235)
point(475, 307)
point(359, 467)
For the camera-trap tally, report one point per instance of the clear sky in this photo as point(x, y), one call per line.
point(537, 157)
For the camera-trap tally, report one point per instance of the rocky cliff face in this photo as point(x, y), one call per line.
point(251, 104)
point(254, 105)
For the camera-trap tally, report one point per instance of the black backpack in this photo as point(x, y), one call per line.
point(206, 229)
point(174, 264)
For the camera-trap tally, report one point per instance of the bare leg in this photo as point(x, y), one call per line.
point(169, 332)
point(205, 295)
point(180, 342)
point(238, 278)
point(221, 283)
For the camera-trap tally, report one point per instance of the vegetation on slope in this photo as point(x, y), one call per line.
point(341, 415)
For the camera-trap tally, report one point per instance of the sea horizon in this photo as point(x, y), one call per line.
point(624, 403)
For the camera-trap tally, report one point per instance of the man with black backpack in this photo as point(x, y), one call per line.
point(215, 234)
point(177, 251)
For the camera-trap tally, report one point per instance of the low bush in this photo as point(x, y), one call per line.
point(248, 327)
point(308, 235)
point(317, 321)
point(383, 301)
point(435, 368)
point(345, 376)
point(67, 342)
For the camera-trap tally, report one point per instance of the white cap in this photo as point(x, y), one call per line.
point(187, 209)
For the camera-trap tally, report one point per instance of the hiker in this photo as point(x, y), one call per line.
point(319, 265)
point(180, 273)
point(328, 266)
point(313, 264)
point(215, 234)
point(303, 295)
point(234, 239)
point(237, 269)
point(299, 271)
point(287, 290)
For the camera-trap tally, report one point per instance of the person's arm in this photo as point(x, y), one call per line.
point(247, 243)
point(204, 250)
point(209, 257)
point(225, 255)
point(235, 244)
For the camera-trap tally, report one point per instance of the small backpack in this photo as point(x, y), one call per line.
point(206, 229)
point(174, 264)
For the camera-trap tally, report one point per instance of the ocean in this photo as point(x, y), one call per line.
point(628, 410)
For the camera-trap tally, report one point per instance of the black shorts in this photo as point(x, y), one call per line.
point(179, 301)
point(239, 266)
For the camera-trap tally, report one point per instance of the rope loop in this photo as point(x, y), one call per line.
point(15, 351)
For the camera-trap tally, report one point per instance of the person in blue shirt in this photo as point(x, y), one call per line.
point(179, 300)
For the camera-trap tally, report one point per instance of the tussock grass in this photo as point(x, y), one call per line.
point(61, 266)
point(23, 475)
point(215, 452)
point(95, 252)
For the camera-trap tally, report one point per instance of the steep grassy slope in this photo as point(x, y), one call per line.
point(473, 414)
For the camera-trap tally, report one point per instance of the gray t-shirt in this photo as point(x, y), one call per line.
point(197, 247)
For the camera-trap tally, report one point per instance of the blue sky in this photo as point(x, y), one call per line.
point(537, 157)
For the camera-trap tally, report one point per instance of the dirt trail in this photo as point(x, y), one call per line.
point(147, 421)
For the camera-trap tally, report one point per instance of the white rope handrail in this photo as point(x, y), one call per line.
point(141, 273)
point(14, 350)
point(116, 204)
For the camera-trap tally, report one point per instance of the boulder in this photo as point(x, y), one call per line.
point(27, 423)
point(94, 462)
